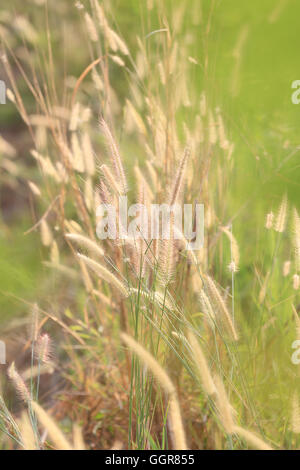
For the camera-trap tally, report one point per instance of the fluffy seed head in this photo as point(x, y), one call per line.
point(19, 383)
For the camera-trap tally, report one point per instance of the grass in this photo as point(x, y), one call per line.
point(156, 347)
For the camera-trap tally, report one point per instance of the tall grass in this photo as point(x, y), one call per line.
point(205, 368)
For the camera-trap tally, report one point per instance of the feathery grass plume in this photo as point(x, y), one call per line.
point(27, 434)
point(202, 366)
point(177, 186)
point(110, 178)
point(116, 43)
point(296, 281)
point(100, 14)
point(104, 193)
point(34, 188)
point(235, 252)
point(295, 414)
point(10, 95)
point(109, 36)
point(18, 383)
point(78, 440)
point(115, 156)
point(54, 432)
point(176, 424)
point(296, 237)
point(167, 248)
point(165, 382)
point(220, 304)
point(117, 60)
point(207, 308)
point(280, 222)
point(105, 274)
point(46, 166)
point(43, 348)
point(225, 409)
point(91, 28)
point(156, 297)
point(167, 256)
point(252, 439)
point(87, 243)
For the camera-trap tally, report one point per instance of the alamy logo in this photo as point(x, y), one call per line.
point(2, 92)
point(296, 355)
point(2, 353)
point(155, 222)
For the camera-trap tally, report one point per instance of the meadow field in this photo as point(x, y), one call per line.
point(121, 339)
